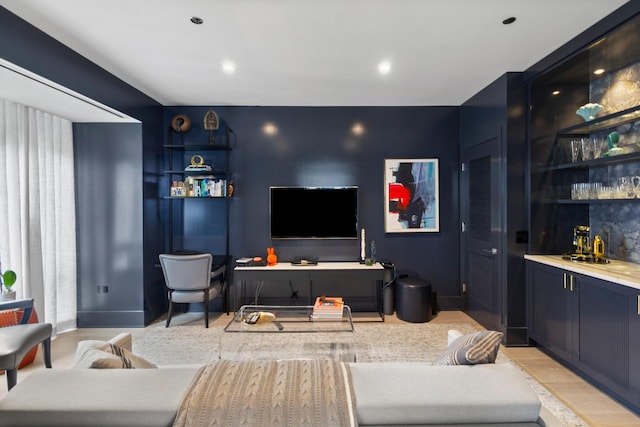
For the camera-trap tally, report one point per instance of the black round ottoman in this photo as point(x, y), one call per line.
point(413, 299)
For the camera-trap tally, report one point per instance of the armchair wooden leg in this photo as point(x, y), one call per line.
point(46, 350)
point(12, 377)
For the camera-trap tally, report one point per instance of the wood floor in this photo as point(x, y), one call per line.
point(585, 400)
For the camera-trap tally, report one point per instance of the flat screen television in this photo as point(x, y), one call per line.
point(313, 212)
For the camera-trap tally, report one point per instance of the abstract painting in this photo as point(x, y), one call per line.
point(411, 196)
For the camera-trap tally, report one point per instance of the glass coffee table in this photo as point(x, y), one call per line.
point(287, 332)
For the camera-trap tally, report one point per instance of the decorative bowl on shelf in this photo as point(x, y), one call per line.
point(589, 111)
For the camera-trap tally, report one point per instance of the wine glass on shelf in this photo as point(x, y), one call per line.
point(597, 146)
point(575, 150)
point(585, 149)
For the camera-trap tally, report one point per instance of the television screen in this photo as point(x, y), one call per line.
point(314, 212)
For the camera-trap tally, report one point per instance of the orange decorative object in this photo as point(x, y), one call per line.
point(272, 258)
point(13, 317)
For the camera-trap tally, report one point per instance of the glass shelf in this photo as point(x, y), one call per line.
point(198, 147)
point(211, 172)
point(585, 201)
point(602, 161)
point(602, 123)
point(194, 197)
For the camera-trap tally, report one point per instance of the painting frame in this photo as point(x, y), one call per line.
point(411, 196)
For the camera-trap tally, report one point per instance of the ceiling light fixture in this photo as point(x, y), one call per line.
point(509, 20)
point(196, 20)
point(384, 67)
point(599, 71)
point(555, 92)
point(228, 67)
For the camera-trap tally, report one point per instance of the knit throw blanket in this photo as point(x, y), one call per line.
point(295, 393)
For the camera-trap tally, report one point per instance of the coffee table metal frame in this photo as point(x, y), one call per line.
point(288, 320)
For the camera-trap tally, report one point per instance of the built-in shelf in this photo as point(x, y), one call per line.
point(602, 123)
point(195, 147)
point(195, 197)
point(587, 201)
point(599, 124)
point(602, 161)
point(211, 172)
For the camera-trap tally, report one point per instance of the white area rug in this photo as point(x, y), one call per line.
point(191, 343)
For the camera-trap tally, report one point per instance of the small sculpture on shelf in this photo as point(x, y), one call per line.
point(589, 111)
point(181, 123)
point(197, 165)
point(211, 123)
point(613, 139)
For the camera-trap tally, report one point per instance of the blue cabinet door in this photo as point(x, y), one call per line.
point(604, 333)
point(550, 311)
point(634, 348)
point(591, 324)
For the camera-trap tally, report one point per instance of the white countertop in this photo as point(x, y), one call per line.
point(620, 272)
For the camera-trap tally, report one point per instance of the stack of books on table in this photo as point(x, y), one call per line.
point(328, 308)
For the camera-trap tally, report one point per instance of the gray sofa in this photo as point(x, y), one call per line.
point(386, 394)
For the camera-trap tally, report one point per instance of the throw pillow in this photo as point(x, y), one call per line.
point(103, 355)
point(452, 335)
point(479, 347)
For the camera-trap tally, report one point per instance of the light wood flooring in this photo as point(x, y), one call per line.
point(589, 403)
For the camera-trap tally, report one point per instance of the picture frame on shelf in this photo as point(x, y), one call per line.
point(411, 196)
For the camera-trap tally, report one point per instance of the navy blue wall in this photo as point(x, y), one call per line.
point(500, 109)
point(108, 188)
point(315, 146)
point(143, 297)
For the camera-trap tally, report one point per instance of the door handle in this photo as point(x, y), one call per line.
point(492, 251)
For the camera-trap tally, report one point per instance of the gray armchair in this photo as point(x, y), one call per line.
point(189, 279)
point(16, 341)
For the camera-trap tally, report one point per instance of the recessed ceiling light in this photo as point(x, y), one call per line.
point(598, 71)
point(228, 67)
point(196, 20)
point(509, 20)
point(384, 67)
point(555, 92)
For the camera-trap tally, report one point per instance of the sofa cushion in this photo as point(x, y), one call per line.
point(105, 355)
point(96, 397)
point(472, 349)
point(426, 394)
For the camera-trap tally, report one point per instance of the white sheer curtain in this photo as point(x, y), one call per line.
point(37, 210)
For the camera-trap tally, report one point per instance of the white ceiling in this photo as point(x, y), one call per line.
point(312, 52)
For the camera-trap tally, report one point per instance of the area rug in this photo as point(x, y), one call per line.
point(191, 343)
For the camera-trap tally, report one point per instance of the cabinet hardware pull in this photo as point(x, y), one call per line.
point(564, 280)
point(572, 279)
point(638, 305)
